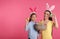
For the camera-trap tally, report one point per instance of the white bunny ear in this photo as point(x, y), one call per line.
point(47, 6)
point(52, 7)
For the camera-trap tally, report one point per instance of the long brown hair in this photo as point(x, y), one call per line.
point(31, 16)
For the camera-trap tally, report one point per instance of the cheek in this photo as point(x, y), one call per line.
point(33, 18)
point(48, 15)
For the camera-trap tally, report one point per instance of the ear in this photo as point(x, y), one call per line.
point(52, 7)
point(35, 9)
point(47, 6)
point(31, 9)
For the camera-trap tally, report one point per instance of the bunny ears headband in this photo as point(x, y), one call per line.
point(47, 8)
point(50, 8)
point(33, 10)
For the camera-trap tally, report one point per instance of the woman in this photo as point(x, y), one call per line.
point(49, 21)
point(32, 34)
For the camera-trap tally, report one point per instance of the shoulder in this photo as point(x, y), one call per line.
point(51, 22)
point(29, 23)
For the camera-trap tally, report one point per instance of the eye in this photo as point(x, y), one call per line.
point(47, 14)
point(44, 13)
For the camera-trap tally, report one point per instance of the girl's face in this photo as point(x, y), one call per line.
point(46, 15)
point(33, 18)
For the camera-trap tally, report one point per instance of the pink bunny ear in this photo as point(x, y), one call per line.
point(31, 9)
point(47, 6)
point(35, 9)
point(52, 7)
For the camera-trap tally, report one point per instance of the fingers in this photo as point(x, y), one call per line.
point(27, 19)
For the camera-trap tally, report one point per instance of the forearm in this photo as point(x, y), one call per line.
point(55, 23)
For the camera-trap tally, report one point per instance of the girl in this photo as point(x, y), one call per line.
point(48, 21)
point(32, 34)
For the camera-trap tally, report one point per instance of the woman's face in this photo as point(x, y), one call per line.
point(46, 15)
point(33, 18)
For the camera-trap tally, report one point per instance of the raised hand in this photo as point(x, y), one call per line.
point(55, 23)
point(27, 20)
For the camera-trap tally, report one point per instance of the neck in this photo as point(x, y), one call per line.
point(33, 21)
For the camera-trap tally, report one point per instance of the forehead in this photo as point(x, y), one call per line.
point(34, 16)
point(47, 13)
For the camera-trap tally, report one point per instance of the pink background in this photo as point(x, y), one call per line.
point(14, 12)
